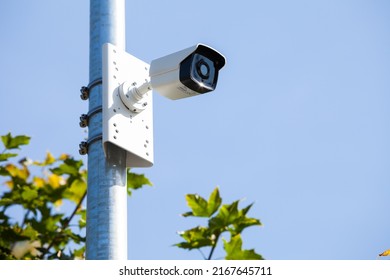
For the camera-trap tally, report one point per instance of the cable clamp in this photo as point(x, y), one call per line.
point(84, 145)
point(85, 90)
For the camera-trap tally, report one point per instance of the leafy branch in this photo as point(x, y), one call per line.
point(220, 219)
point(45, 232)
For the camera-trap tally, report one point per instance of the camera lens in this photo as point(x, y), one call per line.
point(198, 73)
point(203, 69)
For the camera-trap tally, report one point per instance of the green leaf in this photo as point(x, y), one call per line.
point(229, 218)
point(69, 167)
point(79, 253)
point(229, 212)
point(3, 171)
point(226, 216)
point(202, 208)
point(198, 205)
point(12, 234)
point(49, 160)
point(245, 222)
point(246, 209)
point(234, 250)
point(136, 181)
point(76, 190)
point(83, 218)
point(52, 223)
point(187, 214)
point(214, 202)
point(29, 194)
point(6, 202)
point(30, 232)
point(14, 142)
point(196, 238)
point(4, 157)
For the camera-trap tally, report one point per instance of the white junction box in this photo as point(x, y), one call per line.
point(126, 128)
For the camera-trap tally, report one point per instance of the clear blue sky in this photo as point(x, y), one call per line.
point(299, 122)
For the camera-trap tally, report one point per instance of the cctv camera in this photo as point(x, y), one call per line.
point(127, 103)
point(186, 73)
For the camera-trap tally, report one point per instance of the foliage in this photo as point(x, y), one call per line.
point(221, 218)
point(43, 231)
point(136, 181)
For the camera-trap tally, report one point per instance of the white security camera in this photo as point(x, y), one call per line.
point(186, 73)
point(127, 98)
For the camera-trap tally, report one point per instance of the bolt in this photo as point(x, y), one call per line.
point(145, 104)
point(84, 120)
point(84, 93)
point(83, 148)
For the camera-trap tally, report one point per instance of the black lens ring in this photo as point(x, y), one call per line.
point(199, 69)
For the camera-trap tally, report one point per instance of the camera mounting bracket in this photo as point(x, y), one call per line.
point(127, 128)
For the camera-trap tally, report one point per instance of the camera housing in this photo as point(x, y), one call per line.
point(186, 73)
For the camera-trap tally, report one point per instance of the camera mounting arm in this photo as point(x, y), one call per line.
point(133, 96)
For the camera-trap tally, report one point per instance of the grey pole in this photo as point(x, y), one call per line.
point(107, 194)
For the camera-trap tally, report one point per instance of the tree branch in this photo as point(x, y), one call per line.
point(213, 248)
point(65, 225)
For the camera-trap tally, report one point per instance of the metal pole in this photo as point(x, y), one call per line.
point(107, 194)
